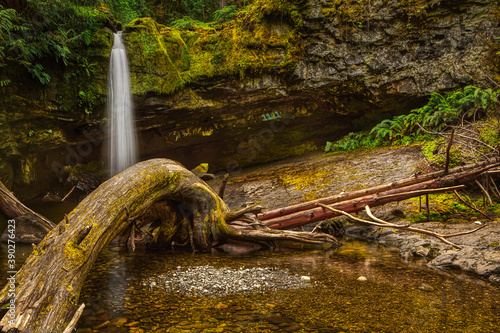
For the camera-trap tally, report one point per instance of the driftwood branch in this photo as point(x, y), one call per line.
point(233, 215)
point(67, 195)
point(447, 165)
point(380, 223)
point(444, 135)
point(485, 192)
point(493, 186)
point(74, 320)
point(222, 188)
point(470, 206)
point(11, 207)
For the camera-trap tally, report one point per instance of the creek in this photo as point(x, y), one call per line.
point(397, 296)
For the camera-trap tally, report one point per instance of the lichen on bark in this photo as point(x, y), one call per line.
point(51, 279)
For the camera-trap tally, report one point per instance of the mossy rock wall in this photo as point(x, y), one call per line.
point(332, 67)
point(44, 128)
point(320, 68)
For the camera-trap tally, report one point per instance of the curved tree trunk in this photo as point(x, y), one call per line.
point(49, 283)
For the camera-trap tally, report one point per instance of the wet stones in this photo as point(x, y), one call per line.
point(208, 281)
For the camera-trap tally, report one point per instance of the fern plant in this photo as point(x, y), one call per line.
point(49, 29)
point(440, 112)
point(225, 14)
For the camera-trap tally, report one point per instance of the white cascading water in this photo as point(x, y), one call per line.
point(122, 146)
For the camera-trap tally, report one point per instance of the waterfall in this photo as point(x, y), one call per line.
point(122, 145)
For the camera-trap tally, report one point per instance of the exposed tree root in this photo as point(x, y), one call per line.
point(190, 214)
point(273, 235)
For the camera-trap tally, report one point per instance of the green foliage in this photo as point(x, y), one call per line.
point(47, 29)
point(87, 100)
point(7, 16)
point(7, 20)
point(37, 71)
point(469, 103)
point(169, 11)
point(225, 14)
point(441, 111)
point(126, 11)
point(353, 141)
point(276, 10)
point(175, 57)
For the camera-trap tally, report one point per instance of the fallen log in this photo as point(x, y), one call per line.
point(49, 283)
point(302, 214)
point(33, 227)
point(190, 212)
point(271, 214)
point(352, 206)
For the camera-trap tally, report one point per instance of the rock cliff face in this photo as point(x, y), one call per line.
point(280, 80)
point(350, 66)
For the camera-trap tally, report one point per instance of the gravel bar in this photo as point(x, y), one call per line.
point(208, 281)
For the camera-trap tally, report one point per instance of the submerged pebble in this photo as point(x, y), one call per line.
point(425, 287)
point(209, 281)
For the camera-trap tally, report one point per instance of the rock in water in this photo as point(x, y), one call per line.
point(425, 287)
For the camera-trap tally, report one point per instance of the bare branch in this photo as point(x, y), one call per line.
point(447, 165)
point(445, 135)
point(223, 185)
point(484, 191)
point(381, 223)
point(470, 206)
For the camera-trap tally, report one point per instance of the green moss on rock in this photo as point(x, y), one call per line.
point(164, 59)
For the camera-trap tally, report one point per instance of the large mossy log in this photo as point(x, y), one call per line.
point(49, 283)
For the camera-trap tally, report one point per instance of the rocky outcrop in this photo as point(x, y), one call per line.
point(354, 68)
point(480, 253)
point(280, 80)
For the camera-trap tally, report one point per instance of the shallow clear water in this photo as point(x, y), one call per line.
point(389, 301)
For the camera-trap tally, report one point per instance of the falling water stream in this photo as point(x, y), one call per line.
point(122, 147)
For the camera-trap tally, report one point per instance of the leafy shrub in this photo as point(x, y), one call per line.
point(469, 103)
point(352, 141)
point(47, 29)
point(441, 111)
point(225, 14)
